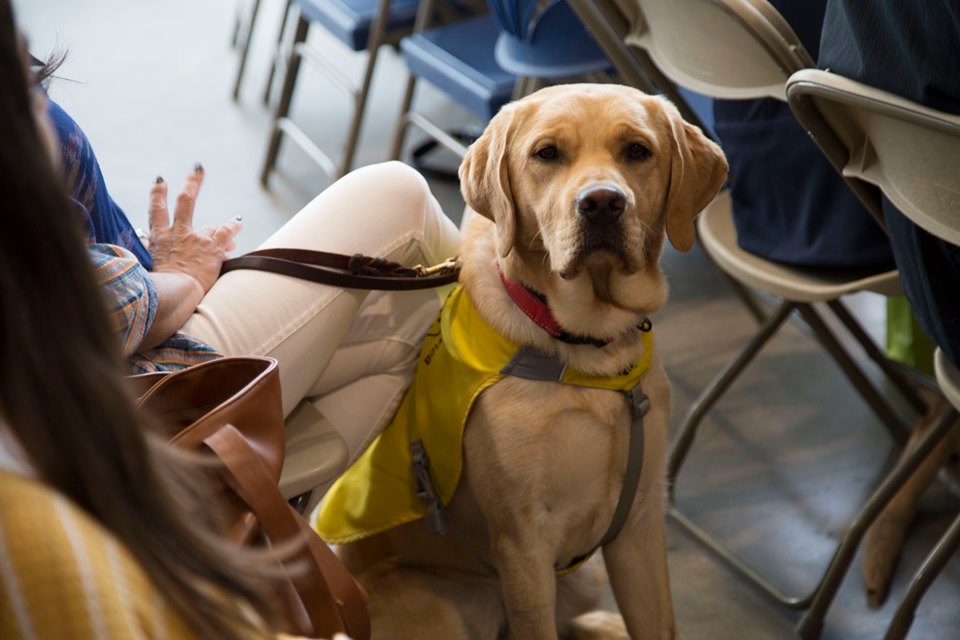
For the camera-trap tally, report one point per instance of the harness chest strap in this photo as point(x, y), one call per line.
point(534, 365)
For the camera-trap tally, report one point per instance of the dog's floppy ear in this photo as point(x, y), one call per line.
point(698, 169)
point(485, 179)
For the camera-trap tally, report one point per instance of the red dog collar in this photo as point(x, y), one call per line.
point(534, 305)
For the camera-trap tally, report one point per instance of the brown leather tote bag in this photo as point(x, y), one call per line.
point(231, 407)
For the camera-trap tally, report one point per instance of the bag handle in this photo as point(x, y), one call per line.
point(331, 600)
point(352, 272)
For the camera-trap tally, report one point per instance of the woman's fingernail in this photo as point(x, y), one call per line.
point(197, 168)
point(239, 218)
point(159, 179)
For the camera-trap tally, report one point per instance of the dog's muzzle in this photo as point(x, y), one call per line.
point(601, 208)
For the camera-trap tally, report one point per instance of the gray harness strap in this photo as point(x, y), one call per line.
point(534, 365)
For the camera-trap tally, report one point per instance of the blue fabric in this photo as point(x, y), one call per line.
point(106, 222)
point(703, 106)
point(458, 59)
point(554, 43)
point(350, 21)
point(789, 203)
point(908, 48)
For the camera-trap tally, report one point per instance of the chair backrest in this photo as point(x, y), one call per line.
point(521, 18)
point(514, 16)
point(544, 39)
point(909, 152)
point(728, 49)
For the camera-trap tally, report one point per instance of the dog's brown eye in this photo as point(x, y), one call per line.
point(548, 152)
point(637, 151)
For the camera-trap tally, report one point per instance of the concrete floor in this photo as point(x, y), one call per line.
point(783, 461)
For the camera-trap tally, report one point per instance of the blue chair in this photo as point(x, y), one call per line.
point(362, 25)
point(546, 42)
point(484, 62)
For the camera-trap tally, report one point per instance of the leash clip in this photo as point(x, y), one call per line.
point(639, 402)
point(424, 489)
point(446, 265)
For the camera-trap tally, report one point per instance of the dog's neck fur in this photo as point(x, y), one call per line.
point(534, 305)
point(482, 282)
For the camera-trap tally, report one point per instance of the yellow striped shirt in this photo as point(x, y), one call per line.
point(62, 575)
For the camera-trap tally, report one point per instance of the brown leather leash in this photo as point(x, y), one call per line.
point(355, 271)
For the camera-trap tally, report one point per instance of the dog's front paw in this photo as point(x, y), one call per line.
point(598, 625)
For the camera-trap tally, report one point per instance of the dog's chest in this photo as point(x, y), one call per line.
point(557, 451)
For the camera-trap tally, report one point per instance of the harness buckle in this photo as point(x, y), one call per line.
point(424, 489)
point(639, 402)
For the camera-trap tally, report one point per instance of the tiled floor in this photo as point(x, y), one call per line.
point(783, 461)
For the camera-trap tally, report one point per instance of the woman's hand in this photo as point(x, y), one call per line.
point(178, 247)
point(186, 261)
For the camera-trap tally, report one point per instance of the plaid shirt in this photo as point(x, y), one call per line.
point(132, 299)
point(120, 259)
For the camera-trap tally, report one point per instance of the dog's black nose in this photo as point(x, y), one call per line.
point(601, 203)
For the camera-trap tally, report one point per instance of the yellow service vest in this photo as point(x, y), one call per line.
point(460, 358)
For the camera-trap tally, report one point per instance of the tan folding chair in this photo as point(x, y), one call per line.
point(882, 143)
point(738, 49)
point(315, 456)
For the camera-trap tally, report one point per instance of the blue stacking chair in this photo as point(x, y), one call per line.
point(484, 62)
point(362, 25)
point(544, 43)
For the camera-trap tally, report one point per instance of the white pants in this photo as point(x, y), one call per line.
point(350, 352)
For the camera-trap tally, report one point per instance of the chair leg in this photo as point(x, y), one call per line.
point(283, 107)
point(678, 453)
point(708, 398)
point(525, 85)
point(300, 502)
point(945, 549)
point(237, 24)
point(277, 54)
point(717, 387)
point(519, 88)
point(908, 390)
point(245, 48)
point(877, 402)
point(403, 122)
point(749, 300)
point(811, 625)
point(376, 38)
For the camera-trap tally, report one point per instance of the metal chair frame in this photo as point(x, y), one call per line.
point(948, 377)
point(284, 125)
point(410, 117)
point(846, 119)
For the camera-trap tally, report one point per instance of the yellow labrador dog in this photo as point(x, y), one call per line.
point(564, 447)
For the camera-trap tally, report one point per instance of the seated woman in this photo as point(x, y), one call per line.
point(350, 352)
point(103, 532)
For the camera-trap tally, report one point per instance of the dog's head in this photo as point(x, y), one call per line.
point(582, 181)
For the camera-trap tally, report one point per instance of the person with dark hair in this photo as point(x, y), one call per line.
point(105, 532)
